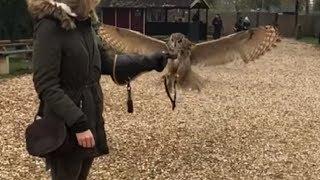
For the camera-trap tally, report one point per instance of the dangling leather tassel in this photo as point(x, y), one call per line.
point(129, 101)
point(174, 99)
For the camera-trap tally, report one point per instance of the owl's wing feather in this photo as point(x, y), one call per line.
point(249, 45)
point(129, 42)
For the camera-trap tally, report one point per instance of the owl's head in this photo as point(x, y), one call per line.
point(178, 42)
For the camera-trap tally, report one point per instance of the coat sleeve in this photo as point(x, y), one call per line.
point(46, 64)
point(106, 60)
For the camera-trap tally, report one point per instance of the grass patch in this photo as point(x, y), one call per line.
point(18, 67)
point(15, 74)
point(17, 64)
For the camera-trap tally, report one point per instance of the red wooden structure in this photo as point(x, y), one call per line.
point(135, 14)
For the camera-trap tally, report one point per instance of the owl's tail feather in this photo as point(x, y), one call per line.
point(192, 81)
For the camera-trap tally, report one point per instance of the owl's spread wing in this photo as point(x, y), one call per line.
point(250, 45)
point(127, 41)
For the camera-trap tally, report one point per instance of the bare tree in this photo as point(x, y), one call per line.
point(316, 5)
point(307, 6)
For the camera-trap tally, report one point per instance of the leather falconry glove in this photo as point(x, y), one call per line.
point(129, 66)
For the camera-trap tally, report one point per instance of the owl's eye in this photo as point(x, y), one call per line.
point(180, 41)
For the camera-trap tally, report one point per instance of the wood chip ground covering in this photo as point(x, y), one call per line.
point(253, 121)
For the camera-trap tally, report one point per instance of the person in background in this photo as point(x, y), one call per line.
point(246, 23)
point(239, 25)
point(217, 26)
point(242, 24)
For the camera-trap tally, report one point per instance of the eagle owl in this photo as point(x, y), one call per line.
point(179, 69)
point(249, 45)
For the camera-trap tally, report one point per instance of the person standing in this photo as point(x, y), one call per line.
point(242, 24)
point(246, 23)
point(217, 26)
point(238, 25)
point(68, 63)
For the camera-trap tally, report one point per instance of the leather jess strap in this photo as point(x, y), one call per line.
point(174, 98)
point(129, 100)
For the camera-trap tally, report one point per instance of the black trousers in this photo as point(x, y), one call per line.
point(216, 35)
point(70, 169)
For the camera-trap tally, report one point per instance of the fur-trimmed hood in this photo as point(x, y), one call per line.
point(60, 11)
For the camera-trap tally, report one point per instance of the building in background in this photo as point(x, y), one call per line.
point(288, 6)
point(155, 17)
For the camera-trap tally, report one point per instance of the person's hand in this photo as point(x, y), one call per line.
point(168, 55)
point(160, 60)
point(86, 139)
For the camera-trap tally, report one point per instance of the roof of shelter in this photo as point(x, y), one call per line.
point(156, 3)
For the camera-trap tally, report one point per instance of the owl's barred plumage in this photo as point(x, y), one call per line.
point(249, 45)
point(127, 41)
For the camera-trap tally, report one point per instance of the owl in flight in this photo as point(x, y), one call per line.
point(249, 45)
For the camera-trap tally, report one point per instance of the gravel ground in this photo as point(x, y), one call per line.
point(255, 121)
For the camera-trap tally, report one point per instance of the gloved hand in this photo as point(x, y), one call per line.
point(127, 67)
point(159, 60)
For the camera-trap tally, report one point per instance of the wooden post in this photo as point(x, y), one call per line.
point(115, 17)
point(258, 19)
point(130, 18)
point(297, 13)
point(101, 14)
point(4, 65)
point(207, 16)
point(307, 6)
point(295, 31)
point(276, 20)
point(207, 21)
point(166, 15)
point(144, 20)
